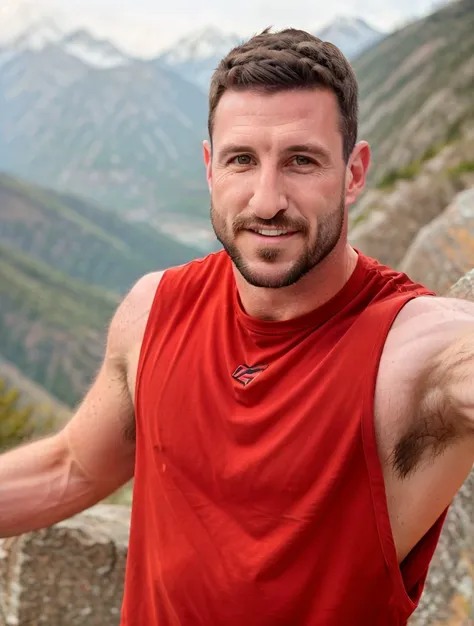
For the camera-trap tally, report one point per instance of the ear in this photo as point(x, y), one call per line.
point(207, 154)
point(356, 171)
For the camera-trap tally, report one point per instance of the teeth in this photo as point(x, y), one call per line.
point(272, 233)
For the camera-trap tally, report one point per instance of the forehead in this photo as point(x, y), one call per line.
point(297, 115)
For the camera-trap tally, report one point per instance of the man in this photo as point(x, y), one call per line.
point(296, 416)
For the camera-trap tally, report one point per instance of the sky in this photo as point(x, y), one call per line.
point(145, 27)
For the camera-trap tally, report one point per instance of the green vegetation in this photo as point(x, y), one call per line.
point(465, 167)
point(81, 240)
point(19, 423)
point(418, 76)
point(53, 296)
point(64, 266)
point(51, 327)
point(413, 169)
point(360, 219)
point(405, 173)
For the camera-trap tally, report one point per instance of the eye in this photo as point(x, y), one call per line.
point(242, 159)
point(302, 160)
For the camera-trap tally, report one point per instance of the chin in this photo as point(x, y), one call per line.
point(257, 275)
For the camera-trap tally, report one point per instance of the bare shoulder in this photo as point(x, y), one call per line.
point(439, 308)
point(129, 322)
point(428, 324)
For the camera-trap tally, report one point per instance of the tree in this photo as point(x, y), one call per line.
point(19, 423)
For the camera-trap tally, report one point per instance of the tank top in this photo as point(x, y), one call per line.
point(259, 497)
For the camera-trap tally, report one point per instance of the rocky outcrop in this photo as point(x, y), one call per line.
point(68, 575)
point(443, 251)
point(416, 87)
point(386, 223)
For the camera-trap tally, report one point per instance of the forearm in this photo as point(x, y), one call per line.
point(40, 485)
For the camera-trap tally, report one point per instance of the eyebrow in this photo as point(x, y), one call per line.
point(232, 148)
point(308, 148)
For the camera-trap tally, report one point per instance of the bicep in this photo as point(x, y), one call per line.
point(100, 436)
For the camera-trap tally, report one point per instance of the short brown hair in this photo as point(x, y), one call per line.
point(290, 59)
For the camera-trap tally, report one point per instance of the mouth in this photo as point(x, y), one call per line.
point(272, 234)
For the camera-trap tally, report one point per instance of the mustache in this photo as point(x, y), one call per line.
point(281, 222)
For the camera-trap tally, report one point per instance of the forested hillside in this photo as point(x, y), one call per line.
point(83, 240)
point(417, 90)
point(51, 326)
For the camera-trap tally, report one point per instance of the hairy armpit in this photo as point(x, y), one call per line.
point(431, 431)
point(427, 439)
point(412, 398)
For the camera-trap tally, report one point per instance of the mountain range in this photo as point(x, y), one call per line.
point(127, 136)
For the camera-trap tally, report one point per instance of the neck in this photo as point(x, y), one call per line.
point(312, 291)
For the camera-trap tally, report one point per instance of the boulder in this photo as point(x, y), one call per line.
point(448, 598)
point(70, 574)
point(443, 251)
point(385, 222)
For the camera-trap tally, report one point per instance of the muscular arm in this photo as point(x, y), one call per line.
point(426, 448)
point(417, 394)
point(52, 479)
point(446, 387)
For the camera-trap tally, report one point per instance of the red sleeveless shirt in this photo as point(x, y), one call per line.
point(259, 497)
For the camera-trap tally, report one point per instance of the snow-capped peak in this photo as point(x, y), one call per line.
point(79, 43)
point(96, 52)
point(354, 26)
point(350, 34)
point(201, 44)
point(39, 35)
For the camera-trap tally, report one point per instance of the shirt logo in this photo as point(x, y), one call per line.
point(245, 374)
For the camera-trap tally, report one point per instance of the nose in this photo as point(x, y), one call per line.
point(268, 198)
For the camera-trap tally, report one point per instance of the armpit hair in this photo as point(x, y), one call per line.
point(423, 443)
point(432, 431)
point(129, 425)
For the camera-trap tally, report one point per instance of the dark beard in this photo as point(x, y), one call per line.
point(328, 234)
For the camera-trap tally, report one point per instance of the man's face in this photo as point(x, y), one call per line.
point(277, 179)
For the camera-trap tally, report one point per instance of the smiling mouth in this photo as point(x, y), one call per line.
point(271, 232)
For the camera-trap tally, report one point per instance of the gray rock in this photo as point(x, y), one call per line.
point(68, 575)
point(443, 251)
point(385, 223)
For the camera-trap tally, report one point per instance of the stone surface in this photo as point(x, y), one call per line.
point(68, 575)
point(385, 223)
point(443, 251)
